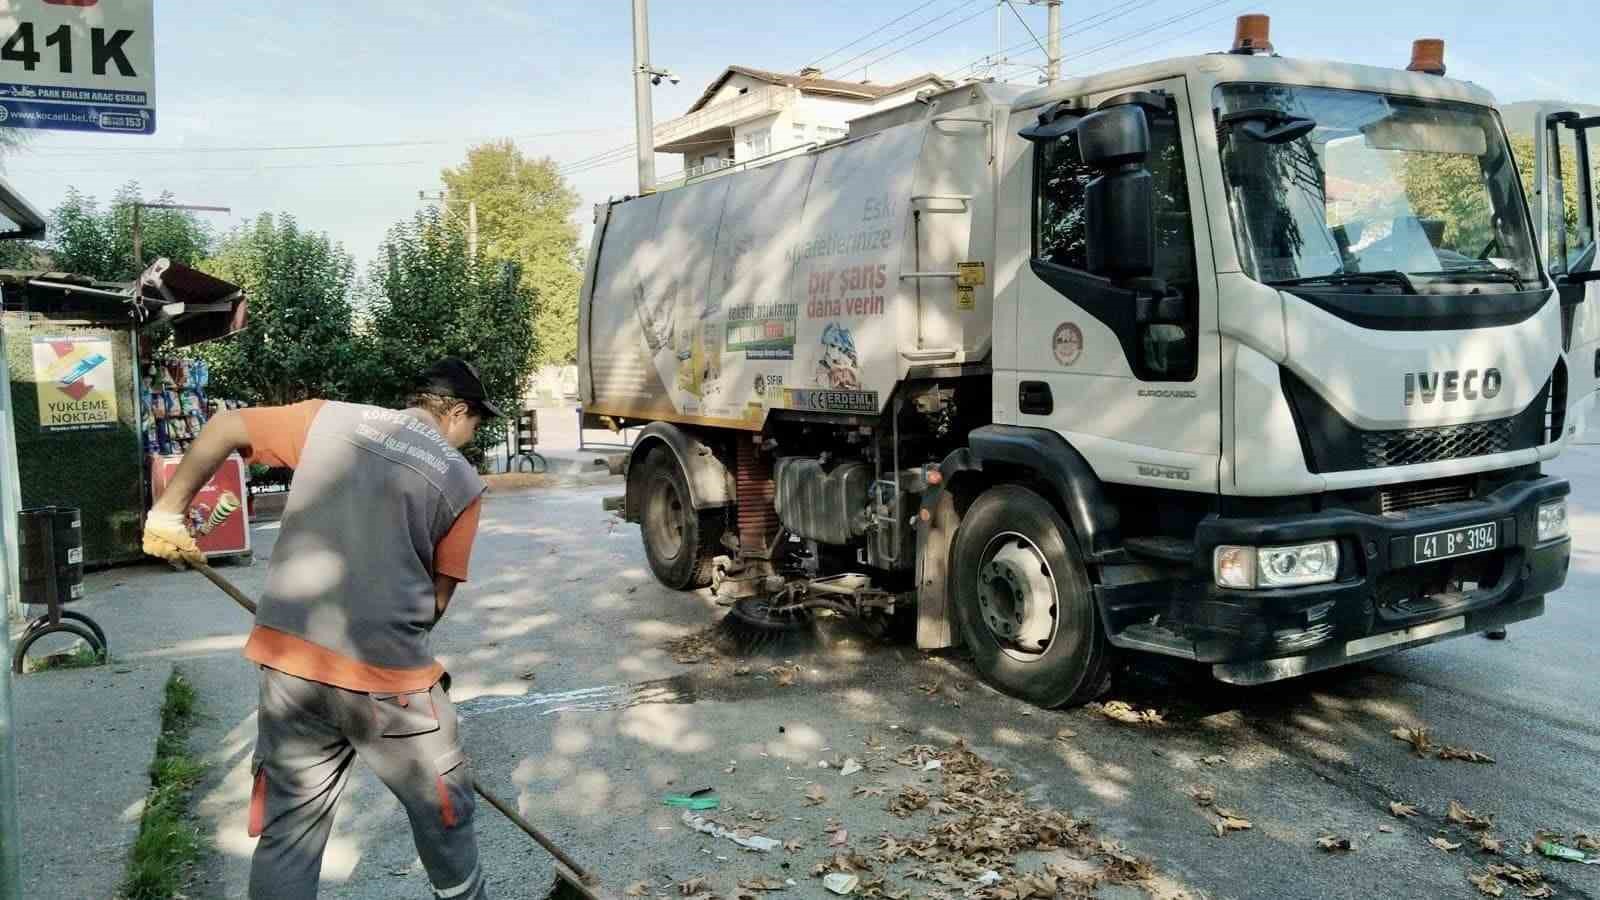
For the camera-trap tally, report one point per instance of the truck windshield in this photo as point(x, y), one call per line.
point(1346, 188)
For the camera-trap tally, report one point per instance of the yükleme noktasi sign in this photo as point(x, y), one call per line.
point(77, 385)
point(78, 65)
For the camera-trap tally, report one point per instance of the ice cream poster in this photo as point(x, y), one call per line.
point(77, 385)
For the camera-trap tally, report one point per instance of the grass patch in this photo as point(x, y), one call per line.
point(169, 842)
point(81, 657)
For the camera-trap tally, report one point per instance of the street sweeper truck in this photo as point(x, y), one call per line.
point(1240, 359)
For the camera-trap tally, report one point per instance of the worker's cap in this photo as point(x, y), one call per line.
point(457, 378)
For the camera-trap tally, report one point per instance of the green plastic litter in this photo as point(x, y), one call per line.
point(1561, 851)
point(706, 798)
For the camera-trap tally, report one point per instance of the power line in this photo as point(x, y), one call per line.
point(1013, 7)
point(150, 151)
point(919, 41)
point(875, 48)
point(874, 32)
point(1201, 27)
point(1082, 26)
point(1149, 28)
point(258, 168)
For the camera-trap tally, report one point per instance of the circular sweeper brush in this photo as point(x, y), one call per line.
point(768, 626)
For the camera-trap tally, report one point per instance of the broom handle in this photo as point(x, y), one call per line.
point(517, 819)
point(510, 813)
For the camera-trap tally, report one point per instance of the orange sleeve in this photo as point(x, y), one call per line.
point(453, 551)
point(278, 433)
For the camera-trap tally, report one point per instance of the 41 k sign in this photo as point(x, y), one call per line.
point(78, 65)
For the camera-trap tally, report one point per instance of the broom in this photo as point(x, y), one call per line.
point(572, 882)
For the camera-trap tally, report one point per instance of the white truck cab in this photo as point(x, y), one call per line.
point(1245, 360)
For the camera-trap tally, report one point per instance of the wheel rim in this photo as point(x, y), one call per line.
point(667, 520)
point(1017, 598)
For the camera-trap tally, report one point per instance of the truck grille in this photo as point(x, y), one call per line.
point(1402, 497)
point(1425, 445)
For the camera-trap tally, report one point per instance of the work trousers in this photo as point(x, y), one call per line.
point(308, 737)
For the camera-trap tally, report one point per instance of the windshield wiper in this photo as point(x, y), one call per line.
point(1491, 273)
point(1343, 279)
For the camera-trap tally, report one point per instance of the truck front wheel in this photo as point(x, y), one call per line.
point(680, 542)
point(1025, 602)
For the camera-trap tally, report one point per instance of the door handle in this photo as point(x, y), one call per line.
point(1034, 399)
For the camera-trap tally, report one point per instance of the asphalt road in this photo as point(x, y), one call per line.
point(575, 708)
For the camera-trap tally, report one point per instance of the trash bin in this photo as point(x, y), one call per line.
point(50, 568)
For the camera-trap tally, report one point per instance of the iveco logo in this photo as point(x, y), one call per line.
point(1468, 385)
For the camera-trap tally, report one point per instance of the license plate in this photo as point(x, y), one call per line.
point(1453, 542)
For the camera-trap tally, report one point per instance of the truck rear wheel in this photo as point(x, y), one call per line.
point(1025, 603)
point(680, 542)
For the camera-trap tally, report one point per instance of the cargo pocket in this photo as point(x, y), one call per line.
point(258, 798)
point(405, 714)
point(453, 782)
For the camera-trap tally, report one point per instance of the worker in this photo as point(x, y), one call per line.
point(375, 537)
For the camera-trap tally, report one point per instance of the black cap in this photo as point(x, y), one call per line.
point(457, 378)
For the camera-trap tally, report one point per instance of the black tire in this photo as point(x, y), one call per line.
point(92, 625)
point(1006, 527)
point(19, 659)
point(681, 544)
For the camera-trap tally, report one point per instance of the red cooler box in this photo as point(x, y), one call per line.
point(219, 517)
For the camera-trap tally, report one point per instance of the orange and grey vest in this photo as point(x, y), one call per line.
point(375, 491)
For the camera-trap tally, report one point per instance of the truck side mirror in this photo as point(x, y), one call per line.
point(1120, 208)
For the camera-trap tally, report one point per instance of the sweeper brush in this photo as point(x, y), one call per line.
point(571, 882)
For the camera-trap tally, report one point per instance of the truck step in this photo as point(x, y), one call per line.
point(1153, 638)
point(1166, 549)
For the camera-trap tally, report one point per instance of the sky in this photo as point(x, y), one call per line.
point(339, 113)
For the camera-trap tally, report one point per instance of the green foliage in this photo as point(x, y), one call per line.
point(430, 300)
point(169, 843)
point(87, 239)
point(1450, 188)
point(81, 656)
point(525, 212)
point(299, 342)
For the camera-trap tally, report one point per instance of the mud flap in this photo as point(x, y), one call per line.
point(935, 623)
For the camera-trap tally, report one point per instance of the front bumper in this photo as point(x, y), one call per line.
point(1383, 600)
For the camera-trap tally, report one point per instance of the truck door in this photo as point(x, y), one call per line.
point(1567, 167)
point(1129, 376)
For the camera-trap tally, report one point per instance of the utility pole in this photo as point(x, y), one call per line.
point(644, 120)
point(138, 227)
point(1052, 67)
point(443, 199)
point(998, 70)
point(10, 833)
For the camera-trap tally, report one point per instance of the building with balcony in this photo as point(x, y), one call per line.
point(746, 114)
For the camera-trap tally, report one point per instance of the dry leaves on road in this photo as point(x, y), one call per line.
point(1530, 880)
point(762, 883)
point(784, 675)
point(1065, 734)
point(1335, 844)
point(691, 886)
point(1214, 760)
point(637, 889)
point(1229, 820)
point(815, 795)
point(695, 648)
point(1421, 741)
point(793, 844)
point(1203, 794)
point(1401, 810)
point(1120, 711)
point(1488, 884)
point(1490, 844)
point(868, 790)
point(908, 801)
point(1463, 816)
point(1444, 844)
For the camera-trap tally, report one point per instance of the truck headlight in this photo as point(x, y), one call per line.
point(1246, 568)
point(1552, 520)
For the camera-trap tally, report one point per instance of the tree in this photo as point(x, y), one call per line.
point(525, 210)
point(299, 341)
point(88, 240)
point(431, 299)
point(1450, 188)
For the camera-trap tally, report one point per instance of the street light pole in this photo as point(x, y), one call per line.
point(10, 834)
point(644, 122)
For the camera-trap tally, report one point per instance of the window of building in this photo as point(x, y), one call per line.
point(757, 143)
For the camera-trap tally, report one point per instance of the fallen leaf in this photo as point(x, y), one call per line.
point(1464, 754)
point(1401, 810)
point(839, 839)
point(1120, 711)
point(1418, 738)
point(868, 790)
point(1539, 893)
point(1488, 884)
point(1463, 816)
point(1335, 844)
point(1489, 845)
point(761, 884)
point(1585, 842)
point(815, 795)
point(1227, 823)
point(1065, 734)
point(692, 886)
point(637, 889)
point(908, 801)
point(784, 675)
point(1202, 794)
point(793, 844)
point(1444, 845)
point(1214, 760)
point(1524, 876)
